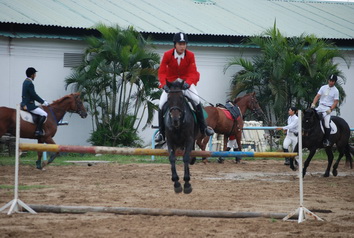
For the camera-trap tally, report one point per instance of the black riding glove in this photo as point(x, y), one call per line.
point(166, 88)
point(185, 86)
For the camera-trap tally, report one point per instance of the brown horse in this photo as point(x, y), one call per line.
point(222, 125)
point(56, 111)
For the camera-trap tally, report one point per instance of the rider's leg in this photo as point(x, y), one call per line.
point(161, 136)
point(204, 129)
point(42, 116)
point(286, 144)
point(39, 130)
point(327, 130)
point(193, 95)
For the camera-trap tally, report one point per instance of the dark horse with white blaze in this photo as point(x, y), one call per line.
point(180, 131)
point(56, 111)
point(312, 138)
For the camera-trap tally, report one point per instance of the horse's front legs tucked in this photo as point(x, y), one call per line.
point(175, 178)
point(187, 188)
point(329, 153)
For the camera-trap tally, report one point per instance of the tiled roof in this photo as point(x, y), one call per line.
point(331, 20)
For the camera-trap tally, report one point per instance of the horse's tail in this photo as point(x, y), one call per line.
point(350, 159)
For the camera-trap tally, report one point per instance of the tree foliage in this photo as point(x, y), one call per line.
point(287, 72)
point(118, 79)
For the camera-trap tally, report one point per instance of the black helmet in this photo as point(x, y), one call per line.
point(180, 37)
point(30, 71)
point(333, 78)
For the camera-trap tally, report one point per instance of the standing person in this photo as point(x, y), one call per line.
point(29, 96)
point(328, 95)
point(178, 64)
point(291, 132)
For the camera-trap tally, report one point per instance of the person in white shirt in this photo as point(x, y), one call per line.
point(291, 132)
point(328, 97)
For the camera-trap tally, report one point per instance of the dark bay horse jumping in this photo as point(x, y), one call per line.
point(180, 131)
point(223, 125)
point(312, 139)
point(56, 111)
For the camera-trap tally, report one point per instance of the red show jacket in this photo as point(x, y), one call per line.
point(170, 70)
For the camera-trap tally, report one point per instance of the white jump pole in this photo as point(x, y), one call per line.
point(301, 210)
point(16, 203)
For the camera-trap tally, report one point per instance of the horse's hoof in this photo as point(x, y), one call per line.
point(38, 165)
point(326, 175)
point(335, 172)
point(220, 160)
point(187, 189)
point(238, 160)
point(192, 161)
point(205, 160)
point(178, 187)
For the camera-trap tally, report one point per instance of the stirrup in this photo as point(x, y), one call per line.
point(39, 133)
point(326, 143)
point(209, 131)
point(159, 138)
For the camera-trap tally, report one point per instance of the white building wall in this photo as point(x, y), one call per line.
point(47, 56)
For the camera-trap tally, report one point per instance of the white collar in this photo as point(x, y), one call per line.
point(177, 56)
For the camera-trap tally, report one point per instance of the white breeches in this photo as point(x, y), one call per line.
point(39, 111)
point(290, 139)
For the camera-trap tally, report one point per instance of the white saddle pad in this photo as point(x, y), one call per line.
point(333, 127)
point(26, 116)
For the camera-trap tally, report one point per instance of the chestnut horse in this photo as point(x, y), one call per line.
point(56, 111)
point(222, 125)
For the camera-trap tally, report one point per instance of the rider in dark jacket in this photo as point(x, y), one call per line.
point(29, 96)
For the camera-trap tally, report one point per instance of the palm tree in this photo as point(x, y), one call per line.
point(117, 77)
point(287, 72)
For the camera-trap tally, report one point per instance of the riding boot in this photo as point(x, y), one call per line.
point(161, 135)
point(204, 129)
point(287, 159)
point(39, 131)
point(326, 141)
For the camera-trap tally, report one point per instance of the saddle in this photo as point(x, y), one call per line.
point(233, 109)
point(332, 125)
point(29, 117)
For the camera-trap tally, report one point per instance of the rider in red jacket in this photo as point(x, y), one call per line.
point(178, 64)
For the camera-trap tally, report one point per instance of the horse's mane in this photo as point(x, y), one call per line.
point(242, 97)
point(66, 96)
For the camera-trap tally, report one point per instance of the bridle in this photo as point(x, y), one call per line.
point(78, 104)
point(174, 108)
point(253, 109)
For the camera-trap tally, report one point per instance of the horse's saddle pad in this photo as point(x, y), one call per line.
point(29, 117)
point(333, 127)
point(231, 112)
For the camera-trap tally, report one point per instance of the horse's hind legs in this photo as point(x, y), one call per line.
point(335, 166)
point(330, 161)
